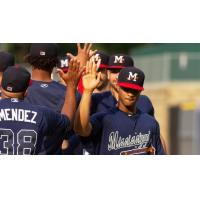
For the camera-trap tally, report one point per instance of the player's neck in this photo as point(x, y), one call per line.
point(41, 75)
point(9, 95)
point(127, 109)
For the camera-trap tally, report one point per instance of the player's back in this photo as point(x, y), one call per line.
point(50, 94)
point(29, 129)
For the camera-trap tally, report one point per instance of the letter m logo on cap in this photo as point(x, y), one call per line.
point(119, 59)
point(64, 63)
point(97, 57)
point(132, 77)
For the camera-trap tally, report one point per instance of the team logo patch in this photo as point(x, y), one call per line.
point(42, 53)
point(44, 85)
point(133, 77)
point(119, 59)
point(14, 100)
point(97, 57)
point(9, 88)
point(118, 142)
point(64, 63)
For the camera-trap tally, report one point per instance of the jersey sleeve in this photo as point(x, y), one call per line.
point(56, 123)
point(53, 127)
point(96, 121)
point(157, 141)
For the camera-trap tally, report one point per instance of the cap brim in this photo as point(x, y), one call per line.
point(102, 66)
point(116, 67)
point(132, 86)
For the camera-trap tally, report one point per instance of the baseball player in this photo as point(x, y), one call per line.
point(105, 101)
point(124, 129)
point(44, 91)
point(31, 129)
point(6, 60)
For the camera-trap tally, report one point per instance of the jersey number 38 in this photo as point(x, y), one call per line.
point(21, 143)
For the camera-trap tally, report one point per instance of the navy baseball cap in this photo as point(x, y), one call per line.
point(119, 61)
point(63, 62)
point(15, 79)
point(104, 59)
point(131, 77)
point(43, 50)
point(6, 60)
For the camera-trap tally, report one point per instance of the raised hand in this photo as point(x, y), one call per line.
point(91, 78)
point(84, 54)
point(72, 77)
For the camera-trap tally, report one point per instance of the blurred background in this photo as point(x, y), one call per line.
point(172, 83)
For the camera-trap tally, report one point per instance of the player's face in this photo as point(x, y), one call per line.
point(112, 77)
point(103, 79)
point(127, 96)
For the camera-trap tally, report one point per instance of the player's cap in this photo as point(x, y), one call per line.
point(63, 63)
point(104, 59)
point(131, 77)
point(15, 79)
point(120, 61)
point(6, 60)
point(43, 50)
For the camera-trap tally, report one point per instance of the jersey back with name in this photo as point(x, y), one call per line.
point(28, 129)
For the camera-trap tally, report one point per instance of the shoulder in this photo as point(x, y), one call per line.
point(101, 95)
point(57, 84)
point(144, 98)
point(105, 114)
point(148, 119)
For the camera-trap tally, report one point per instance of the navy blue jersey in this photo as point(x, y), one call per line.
point(30, 129)
point(145, 105)
point(101, 102)
point(121, 133)
point(50, 94)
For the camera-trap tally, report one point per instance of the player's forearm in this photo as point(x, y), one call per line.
point(69, 107)
point(82, 119)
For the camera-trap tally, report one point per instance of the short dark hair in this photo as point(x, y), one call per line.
point(43, 56)
point(43, 63)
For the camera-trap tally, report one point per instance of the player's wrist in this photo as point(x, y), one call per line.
point(88, 91)
point(71, 86)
